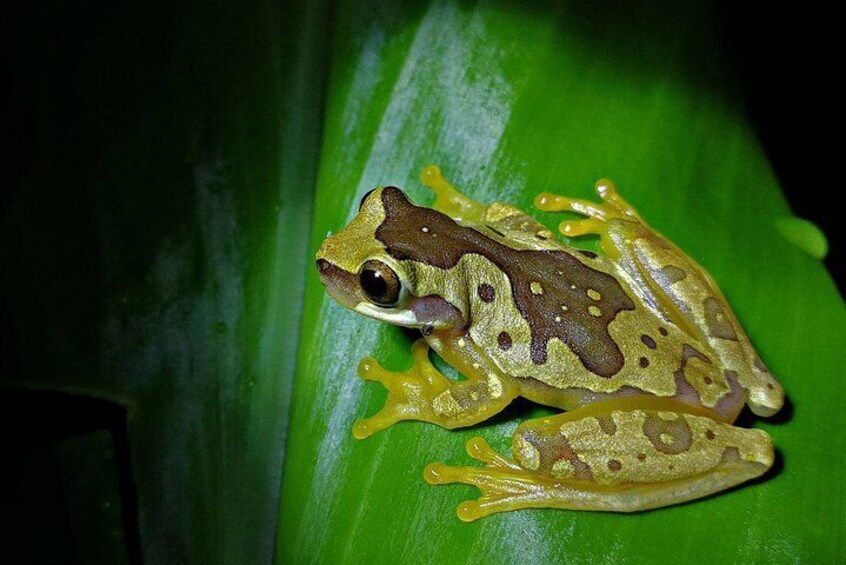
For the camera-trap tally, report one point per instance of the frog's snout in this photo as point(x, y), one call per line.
point(323, 265)
point(340, 284)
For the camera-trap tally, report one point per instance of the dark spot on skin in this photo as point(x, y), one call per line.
point(641, 456)
point(662, 330)
point(614, 465)
point(706, 373)
point(710, 434)
point(541, 237)
point(588, 254)
point(504, 341)
point(671, 274)
point(586, 335)
point(668, 436)
point(684, 391)
point(433, 309)
point(644, 362)
point(648, 341)
point(730, 455)
point(731, 404)
point(496, 231)
point(486, 292)
point(427, 330)
point(553, 448)
point(717, 320)
point(607, 425)
point(770, 386)
point(690, 352)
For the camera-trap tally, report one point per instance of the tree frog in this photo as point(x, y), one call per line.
point(637, 345)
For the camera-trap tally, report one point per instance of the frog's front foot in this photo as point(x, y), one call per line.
point(410, 392)
point(423, 393)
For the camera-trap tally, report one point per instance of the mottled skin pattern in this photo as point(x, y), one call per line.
point(638, 345)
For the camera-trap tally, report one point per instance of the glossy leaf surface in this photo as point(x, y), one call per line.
point(510, 101)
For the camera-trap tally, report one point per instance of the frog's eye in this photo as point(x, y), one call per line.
point(380, 283)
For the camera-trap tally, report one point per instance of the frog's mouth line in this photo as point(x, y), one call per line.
point(397, 317)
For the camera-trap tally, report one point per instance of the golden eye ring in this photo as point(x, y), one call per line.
point(380, 283)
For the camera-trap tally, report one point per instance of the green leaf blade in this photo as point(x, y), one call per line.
point(512, 101)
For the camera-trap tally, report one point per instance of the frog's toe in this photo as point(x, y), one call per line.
point(605, 188)
point(443, 474)
point(431, 174)
point(549, 202)
point(366, 427)
point(363, 429)
point(438, 474)
point(480, 450)
point(369, 369)
point(575, 228)
point(470, 510)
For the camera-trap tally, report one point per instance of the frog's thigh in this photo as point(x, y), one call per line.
point(424, 393)
point(613, 460)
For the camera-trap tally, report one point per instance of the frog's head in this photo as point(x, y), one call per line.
point(358, 272)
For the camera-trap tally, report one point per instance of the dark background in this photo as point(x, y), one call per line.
point(790, 58)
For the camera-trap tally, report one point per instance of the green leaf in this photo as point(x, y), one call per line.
point(512, 100)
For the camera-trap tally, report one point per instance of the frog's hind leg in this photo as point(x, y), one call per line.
point(620, 456)
point(598, 215)
point(613, 205)
point(678, 287)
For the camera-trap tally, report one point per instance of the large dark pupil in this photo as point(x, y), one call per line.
point(374, 284)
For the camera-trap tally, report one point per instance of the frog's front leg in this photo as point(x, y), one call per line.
point(622, 455)
point(495, 216)
point(449, 200)
point(424, 393)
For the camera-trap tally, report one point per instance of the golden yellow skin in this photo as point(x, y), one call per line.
point(638, 345)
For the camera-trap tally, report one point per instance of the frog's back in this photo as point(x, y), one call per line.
point(554, 318)
point(576, 333)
